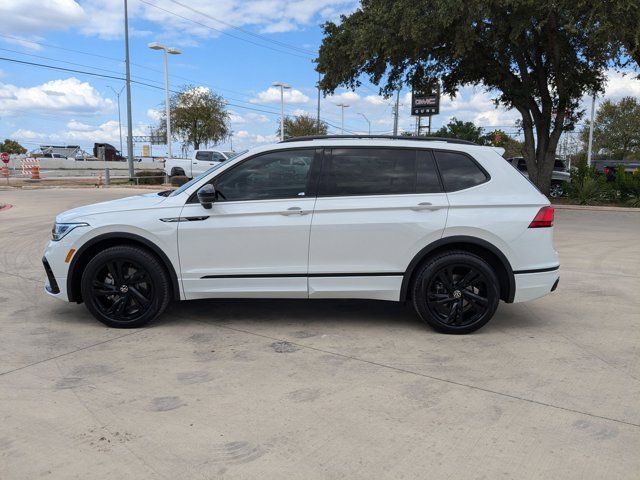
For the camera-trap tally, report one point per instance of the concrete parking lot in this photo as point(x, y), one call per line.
point(325, 389)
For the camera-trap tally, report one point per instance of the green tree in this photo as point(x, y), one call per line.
point(11, 146)
point(538, 56)
point(499, 138)
point(198, 117)
point(462, 130)
point(616, 129)
point(301, 126)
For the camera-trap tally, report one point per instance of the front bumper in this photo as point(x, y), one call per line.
point(56, 269)
point(530, 286)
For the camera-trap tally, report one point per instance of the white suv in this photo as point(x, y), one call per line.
point(444, 224)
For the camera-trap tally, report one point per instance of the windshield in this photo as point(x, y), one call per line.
point(195, 179)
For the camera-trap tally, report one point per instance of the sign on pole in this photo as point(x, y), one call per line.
point(425, 104)
point(4, 156)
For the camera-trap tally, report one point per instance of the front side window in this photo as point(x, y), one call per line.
point(279, 174)
point(368, 171)
point(458, 171)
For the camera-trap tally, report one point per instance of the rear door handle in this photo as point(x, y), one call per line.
point(426, 206)
point(293, 211)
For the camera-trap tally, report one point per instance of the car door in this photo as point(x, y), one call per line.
point(254, 241)
point(376, 209)
point(203, 161)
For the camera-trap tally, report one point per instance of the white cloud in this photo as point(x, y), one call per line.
point(79, 133)
point(272, 95)
point(344, 97)
point(154, 114)
point(20, 16)
point(68, 96)
point(622, 85)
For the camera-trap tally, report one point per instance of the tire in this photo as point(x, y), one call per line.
point(456, 292)
point(125, 287)
point(556, 190)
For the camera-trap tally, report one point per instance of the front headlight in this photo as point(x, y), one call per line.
point(59, 230)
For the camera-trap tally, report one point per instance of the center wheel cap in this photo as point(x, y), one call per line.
point(124, 288)
point(457, 294)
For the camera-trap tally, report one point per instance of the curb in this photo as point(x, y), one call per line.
point(595, 208)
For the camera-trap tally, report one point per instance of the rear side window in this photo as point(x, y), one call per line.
point(458, 171)
point(204, 156)
point(368, 171)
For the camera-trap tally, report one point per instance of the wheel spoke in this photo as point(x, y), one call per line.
point(475, 298)
point(444, 279)
point(120, 309)
point(139, 276)
point(469, 278)
point(114, 270)
point(144, 301)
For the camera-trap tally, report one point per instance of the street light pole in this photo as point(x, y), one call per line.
point(119, 120)
point(282, 86)
point(368, 121)
point(590, 147)
point(167, 51)
point(342, 107)
point(128, 84)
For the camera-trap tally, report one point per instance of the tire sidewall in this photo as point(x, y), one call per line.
point(433, 266)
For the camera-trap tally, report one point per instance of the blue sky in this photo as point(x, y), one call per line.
point(40, 106)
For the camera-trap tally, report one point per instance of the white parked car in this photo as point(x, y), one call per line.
point(446, 225)
point(200, 161)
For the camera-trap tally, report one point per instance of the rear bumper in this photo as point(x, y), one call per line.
point(532, 285)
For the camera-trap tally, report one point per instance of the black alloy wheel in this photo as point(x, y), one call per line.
point(457, 292)
point(125, 287)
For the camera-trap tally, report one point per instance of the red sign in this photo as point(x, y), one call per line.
point(4, 156)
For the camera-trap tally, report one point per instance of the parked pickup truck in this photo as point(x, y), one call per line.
point(559, 178)
point(201, 161)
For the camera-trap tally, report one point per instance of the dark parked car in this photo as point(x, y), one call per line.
point(610, 167)
point(559, 178)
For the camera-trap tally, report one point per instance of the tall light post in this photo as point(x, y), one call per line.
point(117, 94)
point(590, 146)
point(368, 121)
point(167, 51)
point(283, 87)
point(128, 84)
point(342, 107)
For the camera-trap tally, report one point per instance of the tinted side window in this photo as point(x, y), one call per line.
point(428, 181)
point(203, 156)
point(458, 171)
point(281, 174)
point(368, 171)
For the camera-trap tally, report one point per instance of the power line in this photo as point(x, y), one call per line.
point(223, 32)
point(247, 32)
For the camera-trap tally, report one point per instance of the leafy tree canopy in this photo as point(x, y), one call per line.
point(301, 126)
point(198, 117)
point(537, 56)
point(11, 146)
point(616, 130)
point(462, 130)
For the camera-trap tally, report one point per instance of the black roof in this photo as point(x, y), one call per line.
point(383, 137)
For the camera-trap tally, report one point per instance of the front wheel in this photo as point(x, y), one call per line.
point(456, 292)
point(125, 287)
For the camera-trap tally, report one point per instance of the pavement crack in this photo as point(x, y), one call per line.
point(22, 277)
point(72, 352)
point(433, 377)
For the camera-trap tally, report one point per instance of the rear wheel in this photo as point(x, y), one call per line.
point(556, 190)
point(125, 287)
point(456, 292)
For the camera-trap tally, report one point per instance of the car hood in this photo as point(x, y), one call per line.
point(556, 175)
point(137, 202)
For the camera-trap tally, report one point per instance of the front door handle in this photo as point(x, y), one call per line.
point(293, 211)
point(426, 206)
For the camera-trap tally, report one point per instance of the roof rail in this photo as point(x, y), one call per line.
point(383, 137)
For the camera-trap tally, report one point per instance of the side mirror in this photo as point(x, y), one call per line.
point(207, 195)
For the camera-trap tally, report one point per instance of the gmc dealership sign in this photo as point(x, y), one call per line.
point(425, 104)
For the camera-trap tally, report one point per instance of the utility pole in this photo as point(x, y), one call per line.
point(282, 86)
point(128, 84)
point(395, 114)
point(342, 107)
point(318, 116)
point(593, 111)
point(119, 119)
point(368, 121)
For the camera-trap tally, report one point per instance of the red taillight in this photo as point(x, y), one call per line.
point(543, 219)
point(606, 170)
